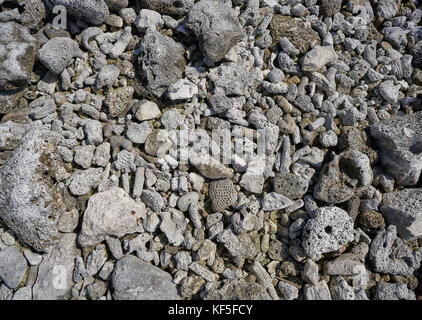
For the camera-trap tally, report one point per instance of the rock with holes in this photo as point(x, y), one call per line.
point(133, 279)
point(388, 253)
point(391, 291)
point(215, 22)
point(329, 230)
point(31, 202)
point(222, 194)
point(404, 210)
point(334, 185)
point(399, 139)
point(110, 213)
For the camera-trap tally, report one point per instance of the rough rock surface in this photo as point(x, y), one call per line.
point(30, 200)
point(133, 279)
point(110, 213)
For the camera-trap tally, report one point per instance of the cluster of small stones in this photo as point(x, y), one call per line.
point(90, 210)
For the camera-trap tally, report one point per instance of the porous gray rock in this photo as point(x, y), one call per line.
point(404, 210)
point(222, 194)
point(169, 7)
point(215, 21)
point(233, 79)
point(110, 213)
point(12, 266)
point(92, 11)
point(275, 201)
point(388, 253)
point(30, 200)
point(391, 291)
point(290, 185)
point(399, 139)
point(161, 62)
point(133, 279)
point(17, 55)
point(57, 53)
point(329, 230)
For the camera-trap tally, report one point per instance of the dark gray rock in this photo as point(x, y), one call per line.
point(169, 7)
point(133, 279)
point(217, 27)
point(160, 61)
point(290, 185)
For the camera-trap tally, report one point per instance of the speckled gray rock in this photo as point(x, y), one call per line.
point(234, 79)
point(213, 22)
point(133, 279)
point(12, 266)
point(161, 62)
point(318, 57)
point(388, 253)
point(110, 213)
point(169, 7)
point(404, 209)
point(275, 201)
point(290, 185)
point(92, 11)
point(82, 181)
point(22, 180)
point(391, 291)
point(17, 55)
point(329, 230)
point(55, 272)
point(57, 53)
point(400, 144)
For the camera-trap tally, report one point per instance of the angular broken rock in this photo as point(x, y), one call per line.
point(17, 56)
point(329, 230)
point(404, 210)
point(211, 168)
point(215, 22)
point(110, 213)
point(161, 62)
point(388, 253)
point(274, 201)
point(318, 57)
point(55, 272)
point(30, 201)
point(133, 279)
point(300, 33)
point(400, 144)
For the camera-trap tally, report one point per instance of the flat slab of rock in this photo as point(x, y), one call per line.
point(30, 200)
point(55, 272)
point(404, 210)
point(400, 145)
point(110, 213)
point(133, 279)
